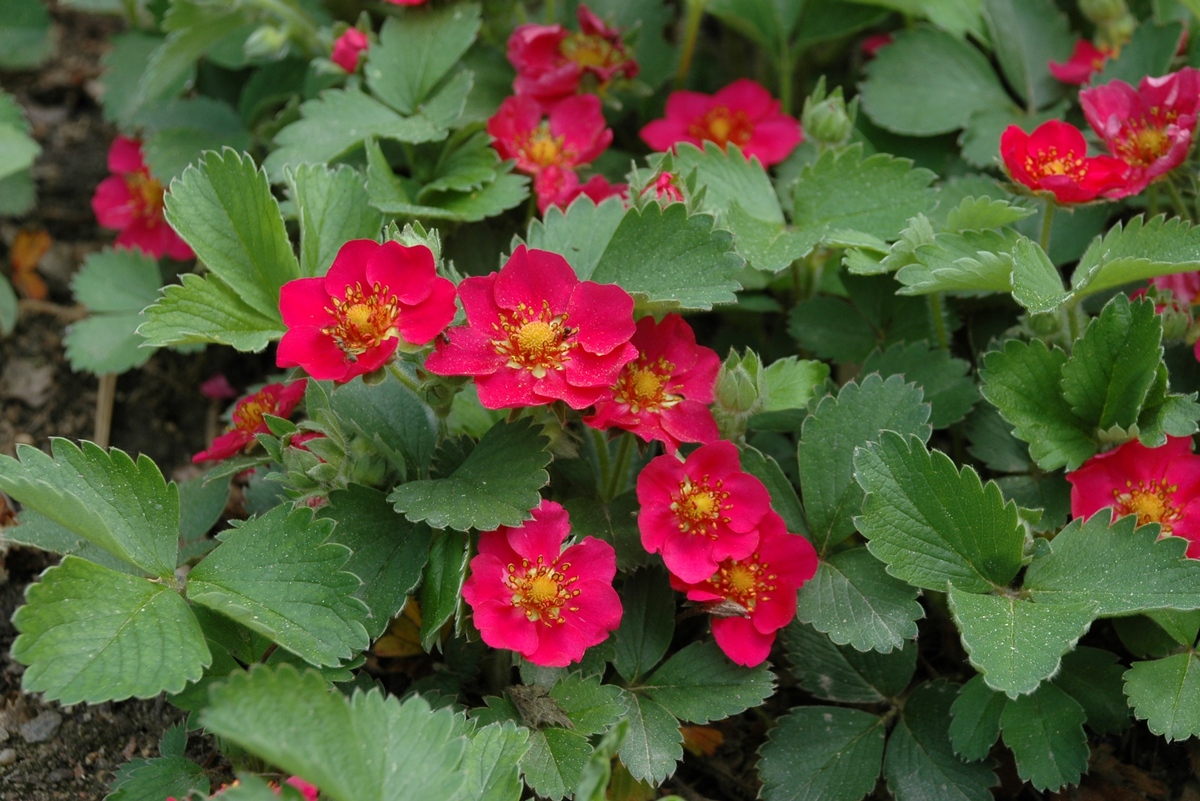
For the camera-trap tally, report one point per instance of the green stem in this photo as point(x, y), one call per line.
point(1177, 200)
point(620, 471)
point(1152, 207)
point(785, 77)
point(551, 11)
point(603, 463)
point(1073, 321)
point(695, 15)
point(404, 378)
point(937, 314)
point(1047, 224)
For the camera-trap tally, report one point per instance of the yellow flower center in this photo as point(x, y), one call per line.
point(1050, 162)
point(541, 590)
point(747, 582)
point(698, 507)
point(543, 148)
point(591, 51)
point(361, 320)
point(721, 125)
point(537, 337)
point(1143, 145)
point(1152, 503)
point(147, 195)
point(644, 386)
point(249, 413)
point(534, 340)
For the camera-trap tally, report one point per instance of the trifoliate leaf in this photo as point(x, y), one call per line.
point(1094, 678)
point(86, 630)
point(829, 438)
point(942, 379)
point(115, 285)
point(415, 52)
point(920, 764)
point(496, 486)
point(822, 753)
point(1023, 383)
point(1016, 644)
point(700, 683)
point(647, 623)
point(928, 82)
point(333, 208)
point(366, 748)
point(223, 208)
point(933, 524)
point(491, 765)
point(1027, 34)
point(1166, 694)
point(654, 743)
point(845, 675)
point(591, 707)
point(208, 310)
point(156, 779)
point(124, 507)
point(1045, 732)
point(387, 552)
point(976, 724)
point(390, 415)
point(1136, 251)
point(1122, 569)
point(854, 600)
point(277, 575)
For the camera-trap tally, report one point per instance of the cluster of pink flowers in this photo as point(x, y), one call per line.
point(131, 201)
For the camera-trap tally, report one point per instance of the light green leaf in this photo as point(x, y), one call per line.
point(389, 414)
point(1093, 677)
point(920, 764)
point(580, 234)
point(728, 176)
point(8, 303)
point(17, 149)
point(39, 531)
point(177, 133)
point(768, 246)
point(334, 208)
point(156, 779)
point(1135, 251)
point(86, 630)
point(1016, 644)
point(367, 748)
point(928, 82)
point(416, 51)
point(25, 35)
point(933, 524)
point(466, 164)
point(1036, 284)
point(647, 623)
point(854, 600)
point(124, 65)
point(1045, 732)
point(845, 675)
point(107, 343)
point(1166, 694)
point(1027, 34)
point(976, 724)
point(822, 753)
point(1122, 569)
point(654, 742)
point(441, 590)
point(770, 23)
point(496, 486)
point(983, 212)
point(792, 382)
point(193, 28)
point(277, 575)
point(208, 310)
point(115, 285)
point(942, 379)
point(490, 767)
point(829, 438)
point(700, 683)
point(121, 506)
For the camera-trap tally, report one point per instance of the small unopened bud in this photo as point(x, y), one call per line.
point(1103, 12)
point(267, 42)
point(827, 119)
point(740, 392)
point(1175, 322)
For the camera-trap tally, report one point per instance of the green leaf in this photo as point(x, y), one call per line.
point(1036, 283)
point(208, 310)
point(556, 757)
point(1094, 678)
point(854, 600)
point(1136, 251)
point(828, 441)
point(835, 673)
point(416, 51)
point(770, 23)
point(767, 246)
point(8, 302)
point(822, 753)
point(943, 379)
point(25, 35)
point(177, 133)
point(647, 623)
point(1147, 53)
point(367, 748)
point(980, 213)
point(873, 316)
point(1027, 34)
point(441, 591)
point(1023, 382)
point(920, 764)
point(1045, 732)
point(276, 575)
point(19, 149)
point(156, 779)
point(39, 531)
point(973, 261)
point(580, 234)
point(124, 507)
point(1016, 644)
point(928, 82)
point(201, 505)
point(333, 208)
point(490, 767)
point(615, 523)
point(1166, 694)
point(1122, 569)
point(124, 65)
point(957, 17)
point(1181, 626)
point(593, 707)
point(466, 163)
point(877, 195)
point(389, 414)
point(85, 632)
point(496, 486)
point(654, 742)
point(783, 495)
point(115, 285)
point(933, 524)
point(193, 28)
point(700, 683)
point(976, 724)
point(387, 552)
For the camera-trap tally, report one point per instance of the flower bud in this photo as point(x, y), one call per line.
point(267, 42)
point(740, 393)
point(1103, 12)
point(827, 119)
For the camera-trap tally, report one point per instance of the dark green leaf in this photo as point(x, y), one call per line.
point(1027, 34)
point(416, 51)
point(1166, 694)
point(156, 779)
point(845, 675)
point(783, 495)
point(976, 723)
point(647, 623)
point(1045, 732)
point(390, 415)
point(700, 683)
point(208, 310)
point(1094, 678)
point(1148, 53)
point(654, 743)
point(333, 208)
point(491, 765)
point(442, 588)
point(943, 379)
point(822, 753)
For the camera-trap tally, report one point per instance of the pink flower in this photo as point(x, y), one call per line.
point(348, 48)
point(218, 388)
point(1159, 485)
point(742, 113)
point(131, 201)
point(557, 187)
point(664, 393)
point(352, 320)
point(530, 596)
point(274, 399)
point(1086, 60)
point(1053, 160)
point(309, 791)
point(700, 512)
point(874, 43)
point(764, 584)
point(552, 62)
point(550, 144)
point(1184, 288)
point(666, 188)
point(535, 333)
point(1150, 129)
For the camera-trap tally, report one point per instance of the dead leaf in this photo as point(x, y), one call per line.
point(403, 635)
point(537, 708)
point(25, 254)
point(701, 740)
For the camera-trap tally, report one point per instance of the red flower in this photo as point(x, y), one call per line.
point(1184, 288)
point(218, 388)
point(274, 399)
point(742, 113)
point(535, 333)
point(352, 320)
point(309, 791)
point(131, 201)
point(557, 187)
point(530, 596)
point(1086, 60)
point(701, 511)
point(347, 49)
point(666, 188)
point(552, 62)
point(665, 392)
point(1150, 129)
point(1159, 485)
point(549, 145)
point(1054, 159)
point(764, 584)
point(874, 43)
